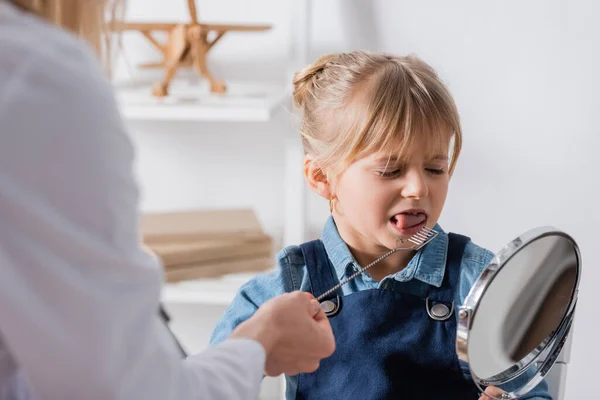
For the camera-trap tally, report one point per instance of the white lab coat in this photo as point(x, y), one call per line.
point(78, 297)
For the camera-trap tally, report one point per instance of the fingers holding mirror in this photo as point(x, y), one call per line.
point(492, 392)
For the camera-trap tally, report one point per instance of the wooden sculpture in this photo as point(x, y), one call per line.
point(187, 45)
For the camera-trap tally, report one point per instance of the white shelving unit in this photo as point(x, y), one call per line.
point(196, 305)
point(191, 101)
point(214, 291)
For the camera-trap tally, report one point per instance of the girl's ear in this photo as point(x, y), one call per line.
point(316, 177)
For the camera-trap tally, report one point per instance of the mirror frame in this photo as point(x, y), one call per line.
point(550, 347)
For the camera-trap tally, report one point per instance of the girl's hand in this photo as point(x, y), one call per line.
point(492, 391)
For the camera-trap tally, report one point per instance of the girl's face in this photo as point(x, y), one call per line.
point(378, 200)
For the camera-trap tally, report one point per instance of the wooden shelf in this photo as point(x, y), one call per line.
point(217, 291)
point(191, 100)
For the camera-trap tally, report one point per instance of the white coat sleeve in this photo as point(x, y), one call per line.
point(79, 298)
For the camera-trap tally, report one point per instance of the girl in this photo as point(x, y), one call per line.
point(382, 136)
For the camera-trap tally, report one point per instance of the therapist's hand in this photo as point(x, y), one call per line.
point(294, 331)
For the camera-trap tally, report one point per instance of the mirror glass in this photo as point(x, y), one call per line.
point(522, 305)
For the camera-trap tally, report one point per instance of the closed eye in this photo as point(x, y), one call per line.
point(389, 174)
point(435, 171)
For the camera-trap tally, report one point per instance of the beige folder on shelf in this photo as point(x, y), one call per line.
point(207, 243)
point(193, 225)
point(210, 250)
point(216, 269)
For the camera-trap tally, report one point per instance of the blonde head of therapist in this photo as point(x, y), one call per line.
point(78, 295)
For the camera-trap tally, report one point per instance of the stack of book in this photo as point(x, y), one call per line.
point(207, 244)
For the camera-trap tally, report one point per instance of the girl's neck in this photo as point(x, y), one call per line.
point(365, 252)
point(388, 266)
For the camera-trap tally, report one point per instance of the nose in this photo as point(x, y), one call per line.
point(414, 185)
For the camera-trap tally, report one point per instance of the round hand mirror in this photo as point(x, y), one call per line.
point(516, 318)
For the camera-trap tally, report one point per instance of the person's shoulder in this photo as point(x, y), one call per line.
point(55, 76)
point(48, 72)
point(27, 40)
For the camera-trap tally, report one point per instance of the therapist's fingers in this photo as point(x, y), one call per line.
point(316, 311)
point(322, 330)
point(319, 329)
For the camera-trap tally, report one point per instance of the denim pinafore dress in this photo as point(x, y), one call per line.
point(389, 345)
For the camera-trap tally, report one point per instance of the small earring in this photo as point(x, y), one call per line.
point(331, 205)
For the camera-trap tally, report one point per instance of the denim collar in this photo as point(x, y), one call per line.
point(428, 264)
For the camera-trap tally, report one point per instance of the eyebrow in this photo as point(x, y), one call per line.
point(396, 159)
point(438, 158)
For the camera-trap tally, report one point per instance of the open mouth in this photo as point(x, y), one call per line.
point(409, 222)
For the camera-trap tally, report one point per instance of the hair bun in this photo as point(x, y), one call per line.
point(305, 79)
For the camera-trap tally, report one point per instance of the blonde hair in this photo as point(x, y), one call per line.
point(354, 104)
point(92, 20)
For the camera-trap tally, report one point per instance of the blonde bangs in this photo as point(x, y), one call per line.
point(396, 110)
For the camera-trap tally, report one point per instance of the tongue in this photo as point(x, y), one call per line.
point(404, 221)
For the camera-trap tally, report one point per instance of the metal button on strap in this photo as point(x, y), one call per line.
point(439, 311)
point(328, 306)
point(331, 307)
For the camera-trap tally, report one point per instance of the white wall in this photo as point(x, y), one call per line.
point(524, 78)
